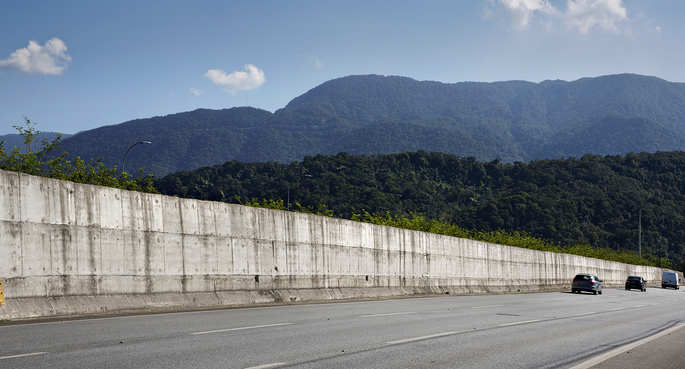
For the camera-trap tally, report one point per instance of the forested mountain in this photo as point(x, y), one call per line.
point(513, 121)
point(594, 200)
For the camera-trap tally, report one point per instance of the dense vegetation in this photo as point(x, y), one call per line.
point(512, 121)
point(593, 200)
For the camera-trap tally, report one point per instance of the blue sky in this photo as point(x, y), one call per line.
point(70, 66)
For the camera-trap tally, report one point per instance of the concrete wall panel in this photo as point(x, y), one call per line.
point(37, 254)
point(171, 215)
point(12, 257)
point(111, 208)
point(35, 207)
point(86, 206)
point(242, 221)
point(190, 216)
point(10, 199)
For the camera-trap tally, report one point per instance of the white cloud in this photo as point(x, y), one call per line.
point(586, 14)
point(252, 78)
point(318, 63)
point(522, 11)
point(51, 58)
point(315, 60)
point(195, 91)
point(581, 15)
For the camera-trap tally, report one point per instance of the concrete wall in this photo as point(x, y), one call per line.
point(69, 248)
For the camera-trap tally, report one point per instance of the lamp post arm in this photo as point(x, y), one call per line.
point(129, 149)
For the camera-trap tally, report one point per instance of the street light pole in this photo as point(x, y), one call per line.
point(129, 149)
point(639, 241)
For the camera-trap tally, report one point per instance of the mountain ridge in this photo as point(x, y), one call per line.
point(373, 114)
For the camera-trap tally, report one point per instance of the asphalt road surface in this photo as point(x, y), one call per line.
point(618, 329)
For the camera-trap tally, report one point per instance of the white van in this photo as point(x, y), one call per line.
point(669, 279)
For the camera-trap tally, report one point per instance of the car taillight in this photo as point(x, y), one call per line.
point(592, 282)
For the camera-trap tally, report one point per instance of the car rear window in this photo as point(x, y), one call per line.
point(634, 278)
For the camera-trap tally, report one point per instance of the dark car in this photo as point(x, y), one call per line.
point(636, 282)
point(586, 282)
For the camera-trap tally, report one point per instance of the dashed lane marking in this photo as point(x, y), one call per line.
point(421, 338)
point(387, 314)
point(243, 328)
point(523, 322)
point(22, 355)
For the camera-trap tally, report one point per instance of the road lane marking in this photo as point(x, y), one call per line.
point(588, 313)
point(523, 322)
point(485, 306)
point(388, 314)
point(615, 352)
point(639, 306)
point(421, 338)
point(617, 309)
point(243, 328)
point(22, 355)
point(265, 366)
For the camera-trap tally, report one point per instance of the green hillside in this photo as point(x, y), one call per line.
point(511, 121)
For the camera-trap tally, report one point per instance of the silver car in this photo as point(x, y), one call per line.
point(587, 282)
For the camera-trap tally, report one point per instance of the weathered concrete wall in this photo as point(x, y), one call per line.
point(68, 248)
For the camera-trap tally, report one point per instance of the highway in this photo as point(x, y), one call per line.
point(536, 330)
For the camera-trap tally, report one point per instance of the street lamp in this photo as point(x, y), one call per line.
point(639, 232)
point(129, 149)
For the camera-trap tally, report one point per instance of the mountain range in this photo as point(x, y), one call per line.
point(512, 121)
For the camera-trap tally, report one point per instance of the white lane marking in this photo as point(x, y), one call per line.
point(639, 306)
point(617, 309)
point(266, 366)
point(421, 338)
point(243, 328)
point(581, 314)
point(388, 314)
point(523, 322)
point(594, 361)
point(22, 355)
point(485, 306)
